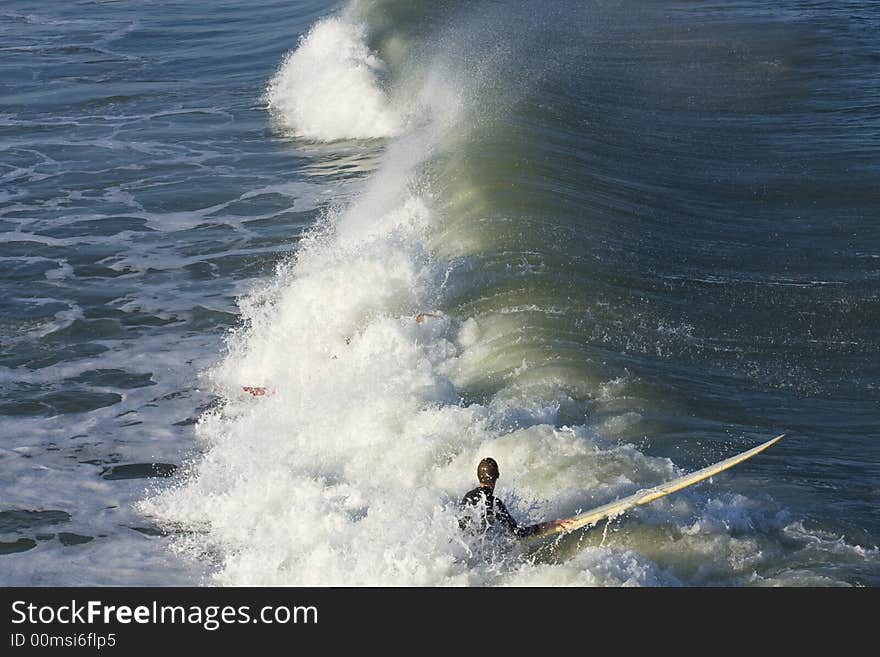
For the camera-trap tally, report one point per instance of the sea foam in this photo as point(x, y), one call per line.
point(329, 88)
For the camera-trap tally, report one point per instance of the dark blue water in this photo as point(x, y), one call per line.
point(652, 226)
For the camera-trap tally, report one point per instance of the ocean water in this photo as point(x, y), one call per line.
point(646, 235)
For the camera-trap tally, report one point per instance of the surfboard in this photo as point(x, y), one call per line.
point(647, 495)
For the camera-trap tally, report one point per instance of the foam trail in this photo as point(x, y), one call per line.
point(329, 87)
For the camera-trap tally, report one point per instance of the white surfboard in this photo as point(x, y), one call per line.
point(612, 509)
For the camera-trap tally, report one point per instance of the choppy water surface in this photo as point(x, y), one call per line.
point(648, 231)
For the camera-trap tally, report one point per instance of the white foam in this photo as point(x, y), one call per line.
point(595, 566)
point(64, 271)
point(329, 87)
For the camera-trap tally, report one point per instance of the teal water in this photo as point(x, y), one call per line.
point(651, 229)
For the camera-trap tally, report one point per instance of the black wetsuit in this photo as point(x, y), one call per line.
point(495, 513)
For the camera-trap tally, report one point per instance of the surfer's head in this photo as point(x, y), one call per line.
point(487, 472)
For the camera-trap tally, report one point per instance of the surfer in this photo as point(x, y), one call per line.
point(421, 317)
point(492, 510)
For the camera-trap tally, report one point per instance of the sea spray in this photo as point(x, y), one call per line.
point(329, 87)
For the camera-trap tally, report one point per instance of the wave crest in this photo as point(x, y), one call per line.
point(329, 88)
